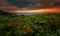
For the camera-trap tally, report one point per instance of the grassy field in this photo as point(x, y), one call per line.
point(33, 25)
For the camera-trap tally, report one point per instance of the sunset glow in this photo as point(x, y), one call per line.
point(38, 10)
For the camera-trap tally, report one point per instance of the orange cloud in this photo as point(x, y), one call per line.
point(38, 10)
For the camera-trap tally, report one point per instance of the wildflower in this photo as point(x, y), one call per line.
point(28, 30)
point(16, 23)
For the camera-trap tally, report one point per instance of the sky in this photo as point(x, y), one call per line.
point(24, 4)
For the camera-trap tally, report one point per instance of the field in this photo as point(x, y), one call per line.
point(32, 25)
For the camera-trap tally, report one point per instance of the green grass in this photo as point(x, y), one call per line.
point(33, 25)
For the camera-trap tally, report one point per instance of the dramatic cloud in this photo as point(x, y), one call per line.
point(3, 2)
point(25, 4)
point(4, 5)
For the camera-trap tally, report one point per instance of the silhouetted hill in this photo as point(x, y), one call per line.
point(5, 13)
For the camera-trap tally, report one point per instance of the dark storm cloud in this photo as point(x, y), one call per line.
point(16, 4)
point(3, 2)
point(4, 5)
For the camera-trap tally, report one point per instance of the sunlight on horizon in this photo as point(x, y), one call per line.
point(38, 10)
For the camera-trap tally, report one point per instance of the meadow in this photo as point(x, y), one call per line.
point(32, 25)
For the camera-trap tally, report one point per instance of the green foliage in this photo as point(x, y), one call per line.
point(34, 25)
